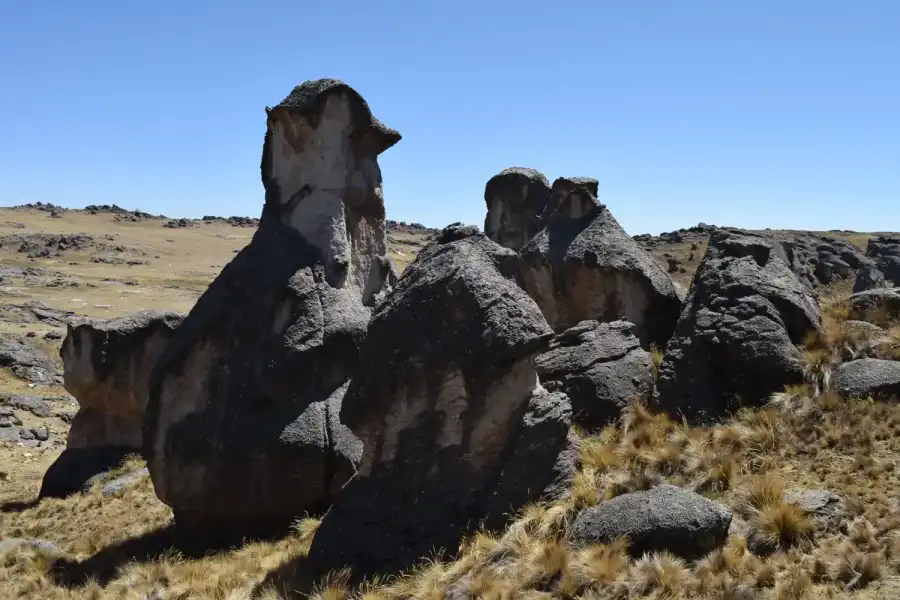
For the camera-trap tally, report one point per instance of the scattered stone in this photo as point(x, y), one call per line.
point(583, 266)
point(868, 377)
point(26, 361)
point(116, 486)
point(8, 417)
point(15, 544)
point(664, 518)
point(826, 509)
point(735, 343)
point(601, 367)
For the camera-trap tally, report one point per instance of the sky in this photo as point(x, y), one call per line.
point(782, 114)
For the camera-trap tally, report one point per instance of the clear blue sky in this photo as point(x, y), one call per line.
point(781, 113)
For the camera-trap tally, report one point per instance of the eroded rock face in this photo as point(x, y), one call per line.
point(601, 367)
point(583, 266)
point(241, 430)
point(107, 366)
point(516, 199)
point(455, 426)
point(735, 343)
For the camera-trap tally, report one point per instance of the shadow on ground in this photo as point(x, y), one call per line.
point(17, 506)
point(103, 566)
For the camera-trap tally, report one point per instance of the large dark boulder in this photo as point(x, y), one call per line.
point(601, 367)
point(736, 341)
point(663, 518)
point(868, 377)
point(516, 199)
point(884, 301)
point(456, 428)
point(583, 266)
point(240, 431)
point(868, 277)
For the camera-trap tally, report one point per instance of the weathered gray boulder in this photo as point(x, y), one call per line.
point(825, 508)
point(735, 343)
point(868, 377)
point(123, 482)
point(868, 277)
point(240, 433)
point(106, 367)
point(583, 266)
point(600, 367)
point(455, 425)
point(516, 198)
point(885, 251)
point(663, 518)
point(27, 362)
point(879, 299)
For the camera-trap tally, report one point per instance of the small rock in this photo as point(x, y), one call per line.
point(825, 508)
point(15, 544)
point(868, 377)
point(664, 518)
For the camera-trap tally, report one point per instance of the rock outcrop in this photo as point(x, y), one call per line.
point(455, 425)
point(601, 367)
point(583, 266)
point(868, 277)
point(241, 431)
point(26, 361)
point(516, 199)
point(885, 251)
point(106, 367)
point(663, 518)
point(735, 343)
point(877, 302)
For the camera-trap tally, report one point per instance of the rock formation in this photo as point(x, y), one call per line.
point(241, 431)
point(584, 266)
point(107, 366)
point(735, 343)
point(868, 377)
point(600, 367)
point(885, 251)
point(455, 426)
point(516, 199)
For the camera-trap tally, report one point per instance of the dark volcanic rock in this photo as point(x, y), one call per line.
point(879, 299)
point(516, 198)
point(664, 518)
point(600, 367)
point(456, 427)
point(868, 277)
point(236, 430)
point(107, 366)
point(583, 266)
point(885, 251)
point(26, 361)
point(735, 343)
point(868, 377)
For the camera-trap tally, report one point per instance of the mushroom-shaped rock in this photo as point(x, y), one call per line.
point(240, 434)
point(516, 198)
point(601, 367)
point(455, 426)
point(866, 377)
point(735, 343)
point(663, 518)
point(583, 266)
